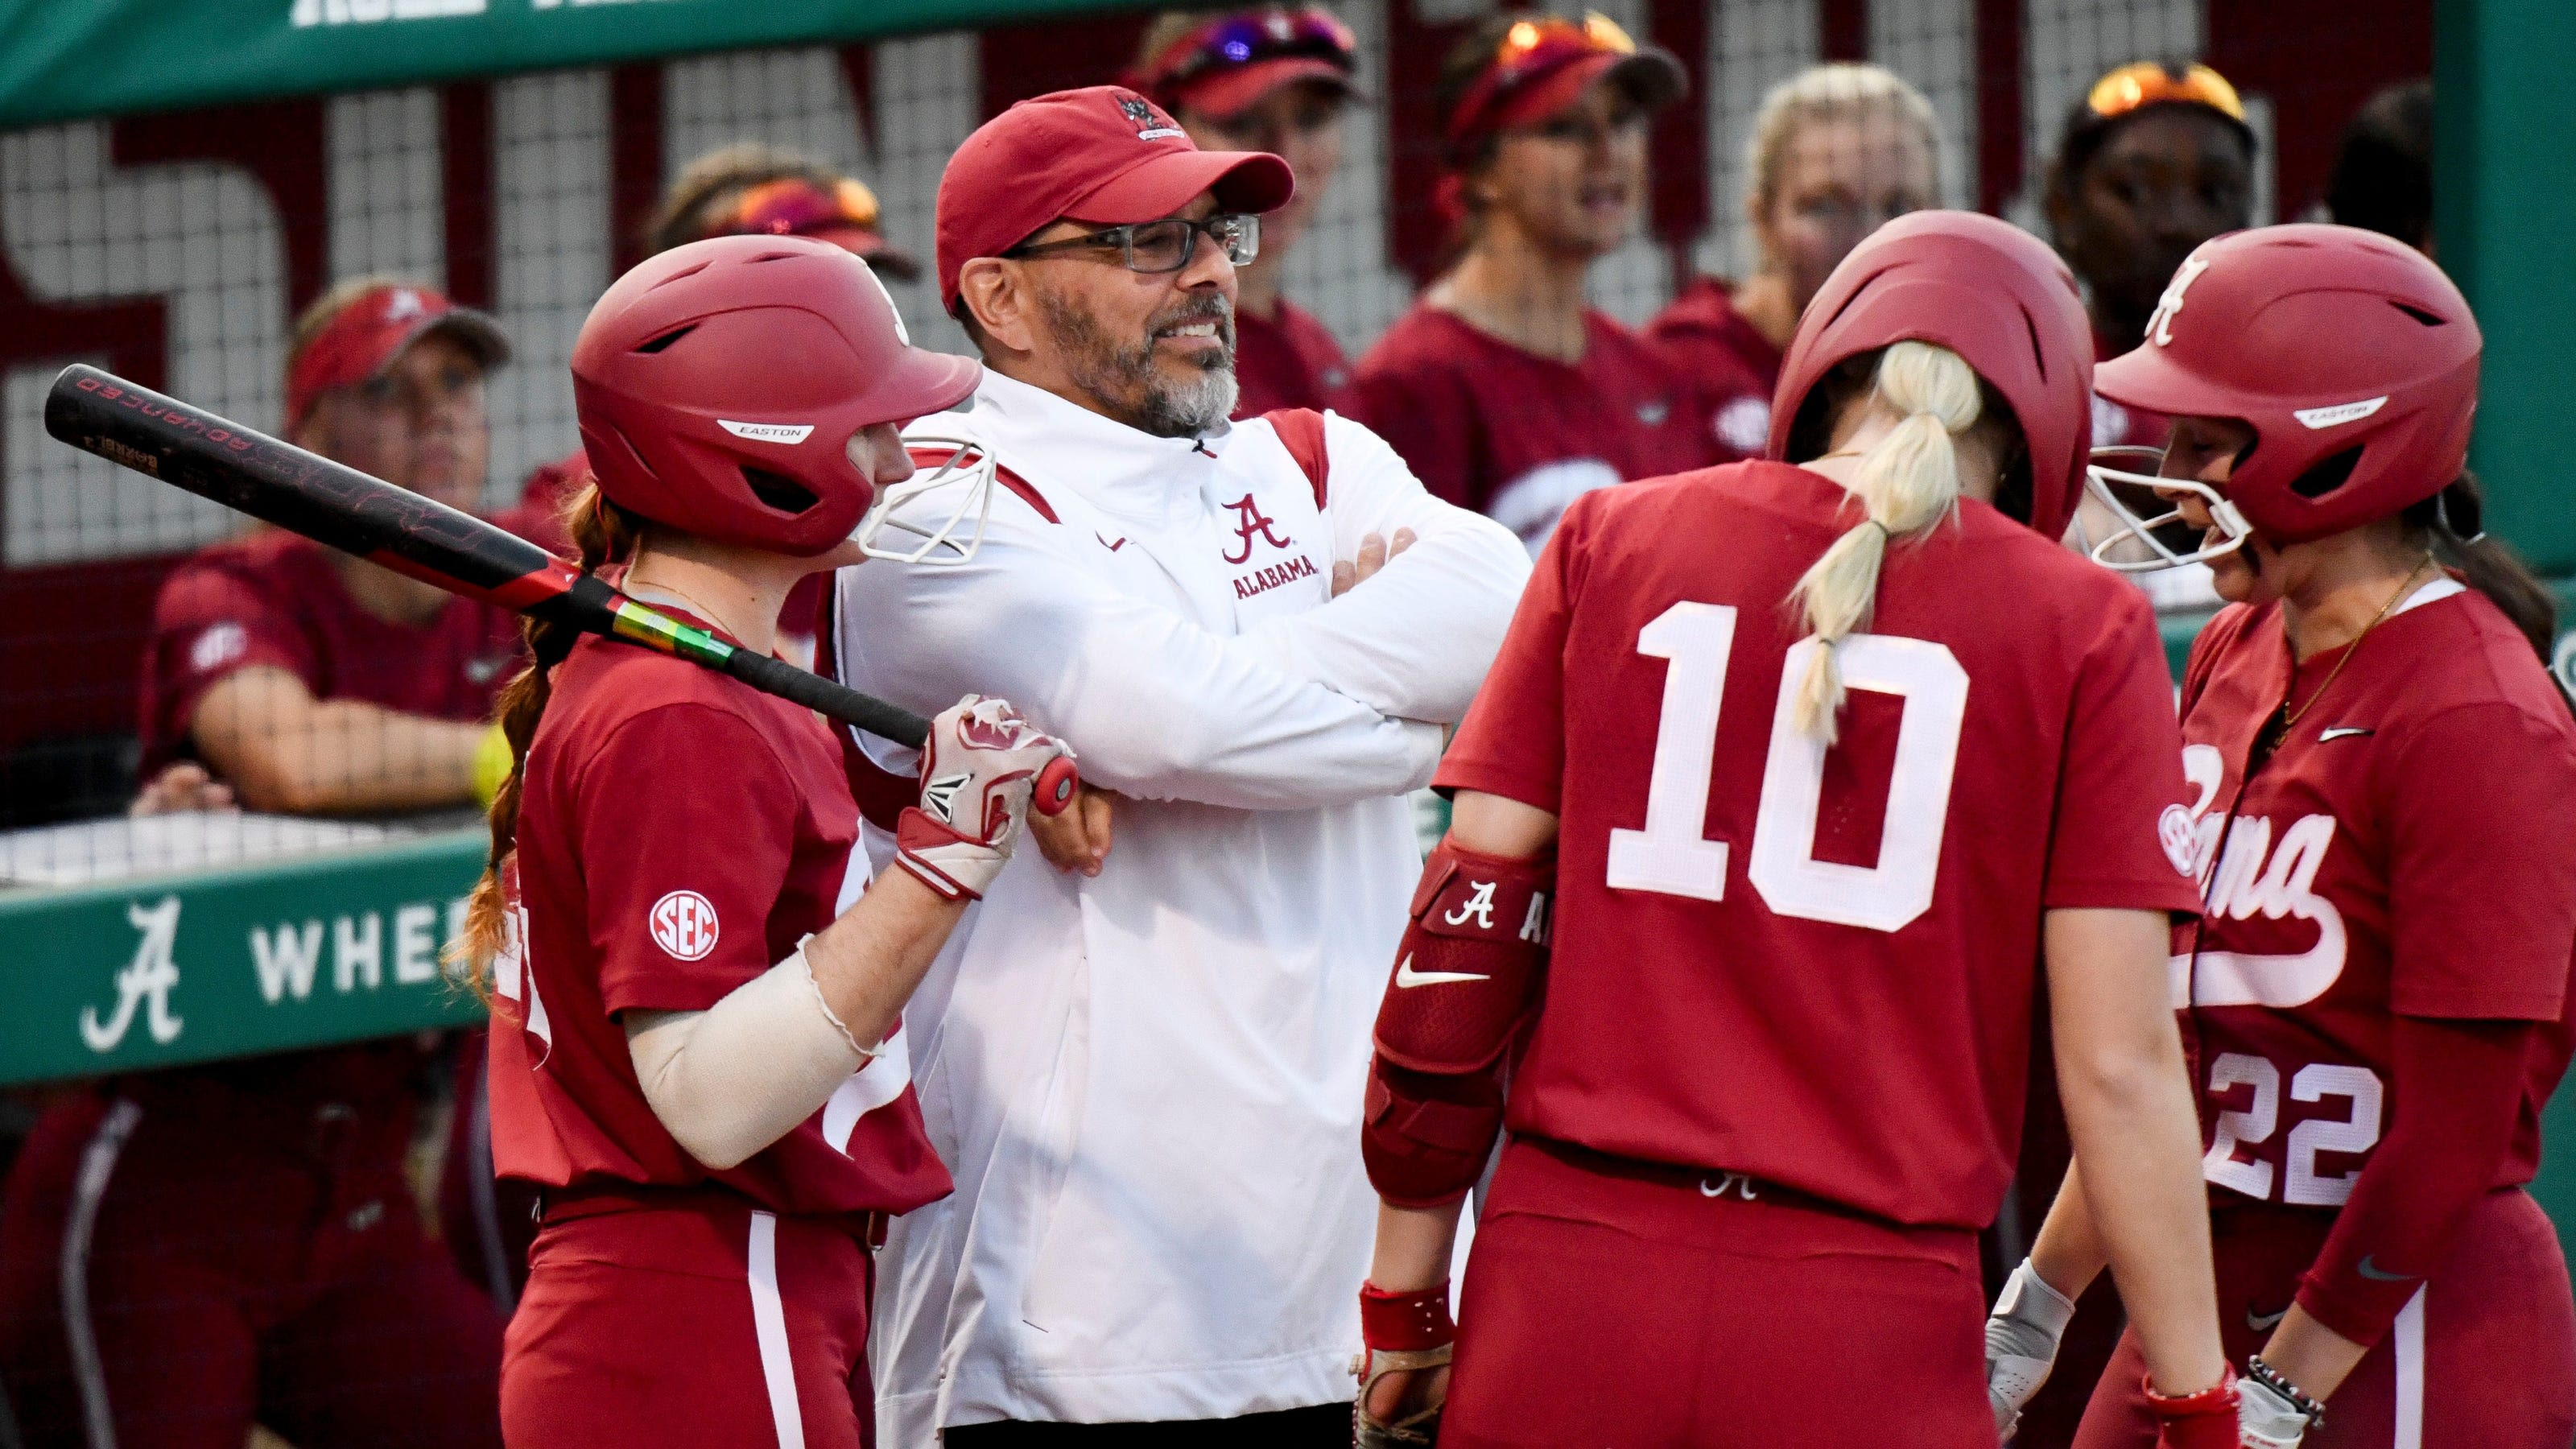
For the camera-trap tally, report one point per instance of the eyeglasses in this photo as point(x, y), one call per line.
point(793, 206)
point(2148, 82)
point(1311, 33)
point(1162, 246)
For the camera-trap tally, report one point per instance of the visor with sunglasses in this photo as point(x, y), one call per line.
point(794, 206)
point(1513, 89)
point(1166, 245)
point(2148, 83)
point(2106, 479)
point(1246, 39)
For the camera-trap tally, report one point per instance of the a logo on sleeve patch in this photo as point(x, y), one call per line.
point(684, 924)
point(220, 645)
point(2174, 831)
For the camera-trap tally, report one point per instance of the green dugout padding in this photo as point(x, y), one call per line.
point(64, 60)
point(168, 970)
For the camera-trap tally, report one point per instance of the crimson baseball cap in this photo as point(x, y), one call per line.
point(1104, 155)
point(371, 328)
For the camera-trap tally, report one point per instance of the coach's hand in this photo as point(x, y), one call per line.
point(1374, 552)
point(978, 770)
point(1076, 839)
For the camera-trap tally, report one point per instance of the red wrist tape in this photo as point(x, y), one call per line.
point(1405, 1322)
point(2205, 1420)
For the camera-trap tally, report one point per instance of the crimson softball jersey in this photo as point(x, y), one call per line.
point(679, 834)
point(1816, 967)
point(1517, 436)
point(2404, 851)
point(276, 600)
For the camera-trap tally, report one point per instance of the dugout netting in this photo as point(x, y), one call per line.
point(177, 247)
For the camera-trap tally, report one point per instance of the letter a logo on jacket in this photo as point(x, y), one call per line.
point(1249, 524)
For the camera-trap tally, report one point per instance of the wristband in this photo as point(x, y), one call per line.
point(2272, 1378)
point(1405, 1322)
point(2218, 1398)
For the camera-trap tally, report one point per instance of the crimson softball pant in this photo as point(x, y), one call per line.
point(1613, 1302)
point(175, 1268)
point(2483, 1357)
point(690, 1318)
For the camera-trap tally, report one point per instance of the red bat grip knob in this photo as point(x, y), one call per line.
point(1056, 786)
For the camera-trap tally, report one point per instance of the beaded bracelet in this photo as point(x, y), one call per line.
point(2271, 1378)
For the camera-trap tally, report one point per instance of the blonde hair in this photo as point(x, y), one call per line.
point(1839, 91)
point(1907, 484)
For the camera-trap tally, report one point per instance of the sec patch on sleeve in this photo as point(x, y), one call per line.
point(684, 924)
point(2176, 832)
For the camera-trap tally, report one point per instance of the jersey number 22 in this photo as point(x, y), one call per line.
point(1672, 857)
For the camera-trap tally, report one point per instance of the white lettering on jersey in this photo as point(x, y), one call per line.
point(1671, 856)
point(2251, 1126)
point(2253, 878)
point(510, 973)
point(1479, 905)
point(1534, 925)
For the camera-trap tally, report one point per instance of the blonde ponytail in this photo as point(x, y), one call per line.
point(1907, 484)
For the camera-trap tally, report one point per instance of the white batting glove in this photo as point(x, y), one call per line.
point(2021, 1343)
point(978, 770)
point(2266, 1420)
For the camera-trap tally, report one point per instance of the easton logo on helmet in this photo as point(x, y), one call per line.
point(2340, 413)
point(768, 432)
point(2160, 326)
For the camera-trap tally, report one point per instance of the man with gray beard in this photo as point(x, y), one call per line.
point(1145, 1066)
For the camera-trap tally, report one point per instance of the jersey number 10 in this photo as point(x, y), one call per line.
point(1672, 857)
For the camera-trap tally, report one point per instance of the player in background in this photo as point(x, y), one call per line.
point(1854, 744)
point(751, 189)
point(1275, 79)
point(1501, 389)
point(2382, 771)
point(1837, 152)
point(184, 1253)
point(690, 973)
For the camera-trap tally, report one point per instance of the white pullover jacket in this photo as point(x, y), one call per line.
point(1148, 1084)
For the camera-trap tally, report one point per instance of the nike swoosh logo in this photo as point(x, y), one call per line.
point(2341, 732)
point(2367, 1270)
point(2264, 1322)
point(1406, 976)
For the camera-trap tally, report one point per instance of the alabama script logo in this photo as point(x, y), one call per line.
point(1249, 524)
point(144, 983)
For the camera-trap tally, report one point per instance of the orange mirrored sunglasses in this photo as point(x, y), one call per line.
point(2147, 83)
point(1597, 32)
point(792, 206)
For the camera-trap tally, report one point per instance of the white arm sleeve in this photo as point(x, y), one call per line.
point(734, 1078)
point(1160, 708)
point(1415, 640)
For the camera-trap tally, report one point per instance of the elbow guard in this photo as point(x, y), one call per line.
point(1468, 971)
point(1466, 981)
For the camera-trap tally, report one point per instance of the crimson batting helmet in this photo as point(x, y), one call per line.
point(1986, 290)
point(718, 385)
point(2351, 356)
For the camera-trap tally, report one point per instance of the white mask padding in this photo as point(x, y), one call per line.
point(734, 1078)
point(965, 483)
point(2135, 532)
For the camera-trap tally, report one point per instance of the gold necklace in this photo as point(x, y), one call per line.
point(2285, 719)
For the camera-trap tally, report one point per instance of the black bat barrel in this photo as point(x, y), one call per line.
point(277, 482)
